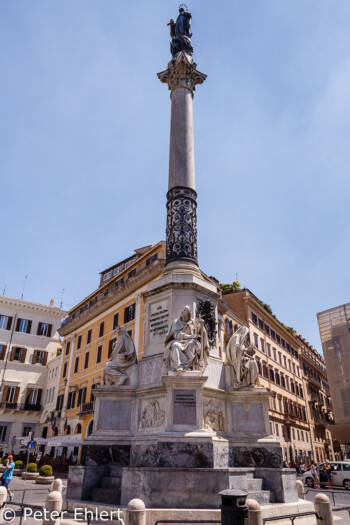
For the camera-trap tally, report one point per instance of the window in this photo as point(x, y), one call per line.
point(132, 273)
point(102, 329)
point(92, 396)
point(280, 357)
point(18, 354)
point(269, 349)
point(261, 324)
point(4, 432)
point(40, 357)
point(262, 342)
point(267, 329)
point(107, 276)
point(289, 365)
point(79, 342)
point(283, 381)
point(118, 270)
point(71, 400)
point(23, 325)
point(64, 373)
point(292, 387)
point(110, 346)
point(129, 313)
point(301, 393)
point(285, 361)
point(283, 343)
point(273, 334)
point(274, 354)
point(256, 340)
point(254, 318)
point(88, 337)
point(27, 429)
point(99, 354)
point(2, 352)
point(115, 321)
point(287, 382)
point(59, 403)
point(119, 282)
point(278, 339)
point(151, 259)
point(5, 322)
point(44, 329)
point(82, 396)
point(86, 361)
point(272, 376)
point(11, 394)
point(277, 378)
point(76, 365)
point(67, 347)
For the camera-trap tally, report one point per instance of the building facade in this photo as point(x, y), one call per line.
point(90, 331)
point(334, 326)
point(279, 358)
point(28, 342)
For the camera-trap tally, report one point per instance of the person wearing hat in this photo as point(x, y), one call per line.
point(7, 475)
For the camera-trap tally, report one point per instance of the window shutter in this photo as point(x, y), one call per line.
point(35, 355)
point(12, 355)
point(49, 330)
point(4, 394)
point(73, 398)
point(17, 324)
point(110, 347)
point(3, 352)
point(29, 391)
point(45, 359)
point(23, 356)
point(9, 323)
point(16, 395)
point(29, 327)
point(39, 329)
point(38, 400)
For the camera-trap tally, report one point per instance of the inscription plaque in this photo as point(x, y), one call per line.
point(184, 407)
point(158, 322)
point(114, 415)
point(248, 417)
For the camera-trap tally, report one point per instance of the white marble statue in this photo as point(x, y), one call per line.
point(240, 355)
point(187, 346)
point(122, 357)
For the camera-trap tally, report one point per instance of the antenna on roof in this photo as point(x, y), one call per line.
point(24, 285)
point(3, 293)
point(61, 292)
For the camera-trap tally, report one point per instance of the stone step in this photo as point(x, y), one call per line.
point(115, 471)
point(109, 482)
point(102, 495)
point(117, 510)
point(261, 496)
point(254, 484)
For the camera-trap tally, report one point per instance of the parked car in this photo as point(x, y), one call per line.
point(340, 471)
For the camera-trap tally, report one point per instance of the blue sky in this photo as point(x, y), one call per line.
point(84, 139)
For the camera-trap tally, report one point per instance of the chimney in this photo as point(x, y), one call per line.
point(51, 302)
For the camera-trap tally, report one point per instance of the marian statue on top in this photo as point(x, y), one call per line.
point(180, 32)
point(187, 344)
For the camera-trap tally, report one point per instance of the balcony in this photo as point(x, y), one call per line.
point(31, 407)
point(85, 408)
point(19, 406)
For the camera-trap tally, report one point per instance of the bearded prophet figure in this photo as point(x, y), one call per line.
point(239, 354)
point(123, 356)
point(187, 346)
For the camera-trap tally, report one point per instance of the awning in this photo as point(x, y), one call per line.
point(65, 441)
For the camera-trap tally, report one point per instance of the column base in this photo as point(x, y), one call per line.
point(182, 266)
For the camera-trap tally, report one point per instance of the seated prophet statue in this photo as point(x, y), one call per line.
point(122, 357)
point(187, 346)
point(240, 355)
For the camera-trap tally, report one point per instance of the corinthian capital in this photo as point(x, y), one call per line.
point(182, 72)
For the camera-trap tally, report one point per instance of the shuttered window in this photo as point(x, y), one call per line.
point(44, 329)
point(5, 322)
point(129, 313)
point(24, 326)
point(2, 352)
point(99, 354)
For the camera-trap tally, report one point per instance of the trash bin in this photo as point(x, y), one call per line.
point(234, 511)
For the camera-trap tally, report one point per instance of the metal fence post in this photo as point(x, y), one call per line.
point(254, 512)
point(323, 508)
point(234, 510)
point(52, 509)
point(135, 512)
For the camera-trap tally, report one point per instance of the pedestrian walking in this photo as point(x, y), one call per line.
point(314, 474)
point(328, 470)
point(7, 475)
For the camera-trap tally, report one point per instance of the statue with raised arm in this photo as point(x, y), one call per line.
point(180, 32)
point(187, 346)
point(240, 356)
point(122, 357)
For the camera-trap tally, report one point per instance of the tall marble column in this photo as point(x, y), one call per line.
point(181, 231)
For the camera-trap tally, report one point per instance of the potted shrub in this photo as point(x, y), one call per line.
point(3, 465)
point(32, 471)
point(18, 468)
point(45, 475)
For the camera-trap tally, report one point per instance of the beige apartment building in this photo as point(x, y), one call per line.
point(318, 401)
point(334, 326)
point(278, 352)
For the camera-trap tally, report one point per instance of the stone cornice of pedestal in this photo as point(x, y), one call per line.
point(181, 281)
point(182, 72)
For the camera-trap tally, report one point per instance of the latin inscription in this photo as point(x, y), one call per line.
point(184, 407)
point(159, 322)
point(114, 415)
